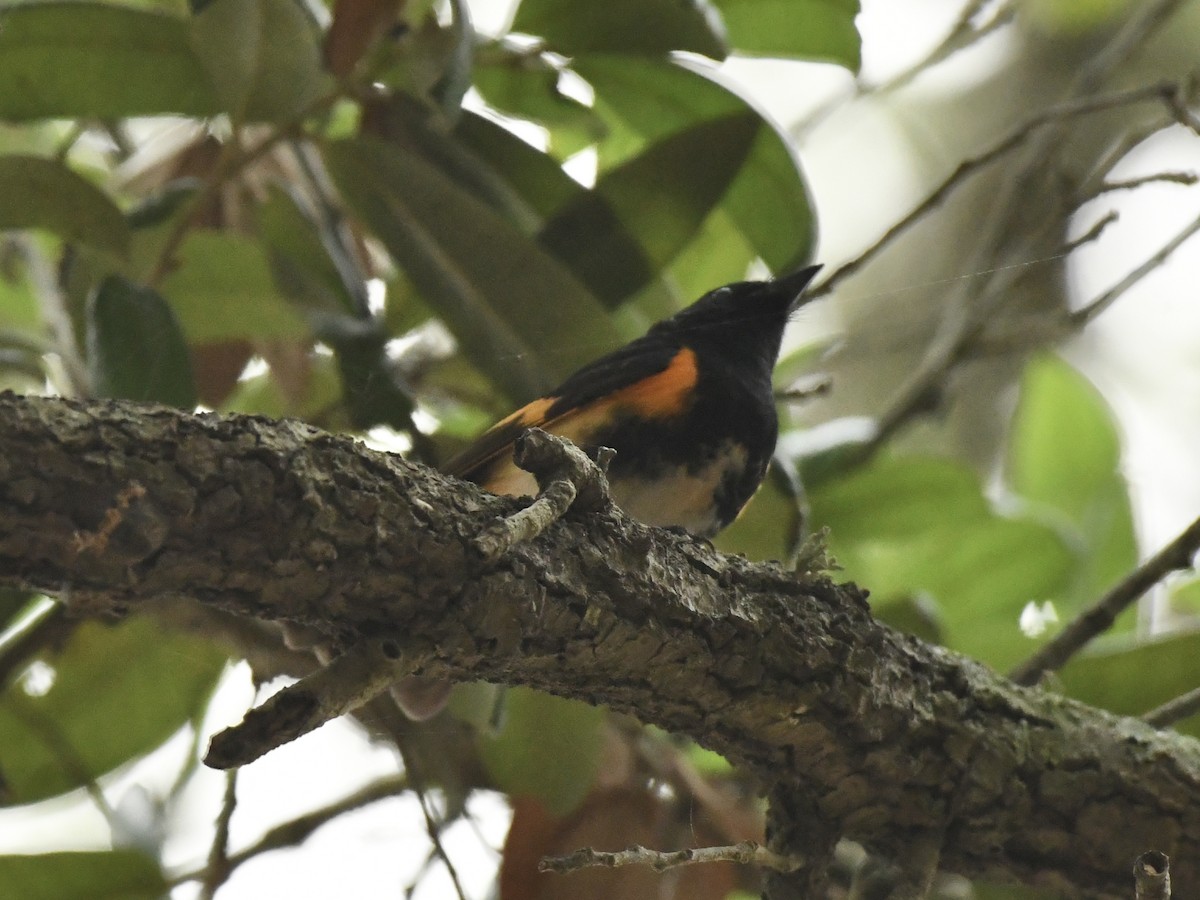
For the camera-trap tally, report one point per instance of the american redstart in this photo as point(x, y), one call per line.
point(688, 408)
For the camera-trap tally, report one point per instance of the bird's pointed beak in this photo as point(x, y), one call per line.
point(793, 284)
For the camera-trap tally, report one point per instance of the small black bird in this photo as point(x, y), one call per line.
point(689, 408)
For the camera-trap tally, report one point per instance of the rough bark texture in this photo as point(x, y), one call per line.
point(884, 738)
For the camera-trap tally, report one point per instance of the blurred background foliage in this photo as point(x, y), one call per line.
point(373, 216)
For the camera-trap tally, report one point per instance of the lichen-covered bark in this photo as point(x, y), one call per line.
point(890, 740)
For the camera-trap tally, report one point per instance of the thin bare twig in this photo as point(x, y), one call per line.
point(1015, 138)
point(432, 827)
point(298, 830)
point(746, 853)
point(1129, 184)
point(217, 870)
point(963, 34)
point(1175, 710)
point(1085, 315)
point(995, 254)
point(1092, 233)
point(1052, 656)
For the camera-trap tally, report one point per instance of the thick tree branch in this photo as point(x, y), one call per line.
point(882, 735)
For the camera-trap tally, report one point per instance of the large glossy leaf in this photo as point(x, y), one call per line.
point(44, 193)
point(528, 88)
point(1064, 456)
point(117, 693)
point(261, 56)
point(529, 174)
point(73, 58)
point(619, 26)
point(136, 350)
point(115, 875)
point(645, 100)
point(910, 527)
point(800, 29)
point(548, 748)
point(223, 288)
point(656, 202)
point(512, 306)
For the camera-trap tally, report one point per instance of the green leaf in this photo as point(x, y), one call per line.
point(223, 289)
point(645, 100)
point(262, 57)
point(1131, 675)
point(529, 174)
point(548, 748)
point(796, 29)
point(81, 59)
point(44, 193)
point(1064, 445)
point(113, 875)
point(526, 87)
point(136, 350)
point(528, 187)
point(262, 395)
point(619, 26)
point(656, 202)
point(912, 526)
point(1064, 457)
point(486, 280)
point(118, 692)
point(900, 499)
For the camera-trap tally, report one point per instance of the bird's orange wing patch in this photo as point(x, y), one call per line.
point(663, 394)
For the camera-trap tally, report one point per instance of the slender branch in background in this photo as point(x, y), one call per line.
point(1152, 876)
point(1085, 315)
point(1180, 110)
point(1129, 184)
point(1015, 138)
point(963, 34)
point(747, 853)
point(967, 312)
point(298, 830)
point(217, 870)
point(1100, 617)
point(1176, 710)
point(1092, 233)
point(1129, 38)
point(432, 826)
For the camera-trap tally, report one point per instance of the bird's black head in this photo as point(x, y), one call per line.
point(745, 319)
